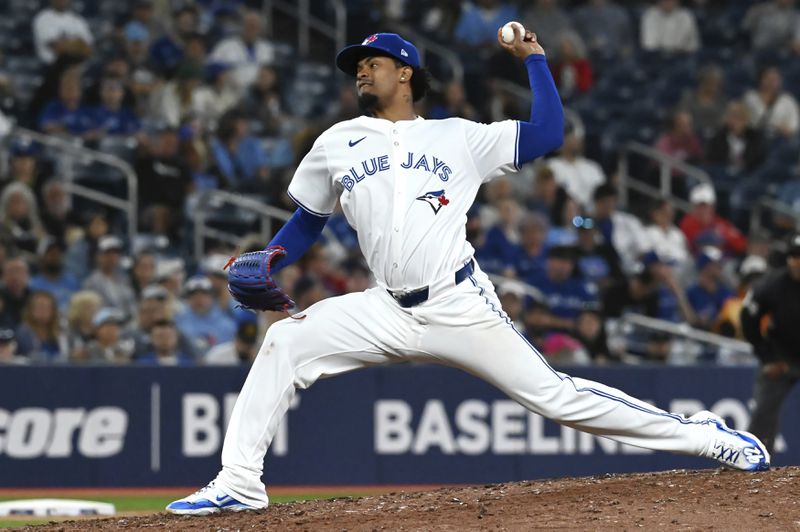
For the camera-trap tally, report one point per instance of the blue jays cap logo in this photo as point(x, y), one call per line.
point(387, 44)
point(436, 199)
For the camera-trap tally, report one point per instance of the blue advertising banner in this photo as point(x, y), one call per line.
point(106, 426)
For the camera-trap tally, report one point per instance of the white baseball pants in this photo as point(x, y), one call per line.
point(462, 327)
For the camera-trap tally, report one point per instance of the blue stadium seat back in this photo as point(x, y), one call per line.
point(789, 193)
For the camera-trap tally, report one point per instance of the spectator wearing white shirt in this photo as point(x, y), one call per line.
point(578, 175)
point(667, 27)
point(59, 31)
point(245, 53)
point(666, 239)
point(772, 110)
point(773, 25)
point(623, 230)
point(241, 350)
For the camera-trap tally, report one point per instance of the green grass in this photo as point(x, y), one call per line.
point(140, 503)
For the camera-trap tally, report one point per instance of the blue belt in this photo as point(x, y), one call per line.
point(420, 295)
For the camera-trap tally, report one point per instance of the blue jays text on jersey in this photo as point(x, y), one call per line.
point(373, 165)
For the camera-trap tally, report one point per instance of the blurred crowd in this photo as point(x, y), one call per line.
point(208, 95)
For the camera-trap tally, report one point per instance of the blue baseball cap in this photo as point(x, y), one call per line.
point(390, 44)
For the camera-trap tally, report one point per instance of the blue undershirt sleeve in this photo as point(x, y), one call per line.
point(545, 130)
point(297, 235)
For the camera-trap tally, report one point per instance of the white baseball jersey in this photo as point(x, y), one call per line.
point(406, 187)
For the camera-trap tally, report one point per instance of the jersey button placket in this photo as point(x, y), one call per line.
point(398, 207)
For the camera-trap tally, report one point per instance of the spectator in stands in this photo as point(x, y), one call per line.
point(215, 98)
point(545, 188)
point(577, 174)
point(657, 293)
point(164, 181)
point(478, 23)
point(166, 351)
point(143, 271)
point(317, 264)
point(591, 333)
point(57, 216)
point(214, 268)
point(80, 318)
point(440, 18)
point(57, 31)
point(571, 70)
point(239, 157)
point(108, 345)
point(153, 306)
point(48, 90)
point(709, 292)
point(502, 240)
point(605, 28)
point(454, 103)
point(597, 262)
point(19, 217)
point(665, 238)
point(66, 115)
point(531, 255)
point(23, 166)
point(773, 25)
point(728, 321)
point(52, 276)
point(81, 252)
point(359, 277)
point(177, 100)
point(39, 336)
point(737, 146)
point(167, 52)
point(202, 320)
point(135, 44)
point(241, 350)
point(511, 295)
point(108, 279)
point(703, 226)
point(264, 102)
point(8, 348)
point(308, 290)
point(171, 274)
point(15, 290)
point(566, 294)
point(706, 104)
point(680, 140)
point(547, 20)
point(562, 232)
point(245, 52)
point(772, 110)
point(111, 117)
point(668, 27)
point(623, 230)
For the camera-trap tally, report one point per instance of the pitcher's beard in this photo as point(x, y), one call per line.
point(367, 103)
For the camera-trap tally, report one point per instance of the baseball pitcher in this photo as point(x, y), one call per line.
point(405, 184)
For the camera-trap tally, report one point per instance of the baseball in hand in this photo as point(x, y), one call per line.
point(507, 33)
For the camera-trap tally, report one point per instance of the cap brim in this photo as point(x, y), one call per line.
point(348, 58)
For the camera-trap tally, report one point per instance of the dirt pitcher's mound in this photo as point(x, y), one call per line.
point(673, 500)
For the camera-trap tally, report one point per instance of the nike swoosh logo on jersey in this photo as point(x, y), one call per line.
point(354, 142)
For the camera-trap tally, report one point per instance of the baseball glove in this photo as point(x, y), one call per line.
point(251, 284)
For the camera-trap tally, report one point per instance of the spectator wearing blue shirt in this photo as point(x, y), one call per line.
point(565, 294)
point(531, 256)
point(165, 350)
point(111, 117)
point(477, 26)
point(66, 115)
point(658, 293)
point(502, 240)
point(239, 157)
point(167, 52)
point(202, 320)
point(709, 292)
point(53, 277)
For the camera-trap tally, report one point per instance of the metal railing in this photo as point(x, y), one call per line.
point(301, 10)
point(427, 46)
point(765, 203)
point(214, 199)
point(71, 153)
point(667, 166)
point(684, 330)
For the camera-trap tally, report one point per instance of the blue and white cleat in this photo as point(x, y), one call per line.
point(206, 501)
point(737, 449)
